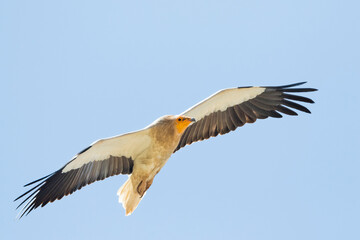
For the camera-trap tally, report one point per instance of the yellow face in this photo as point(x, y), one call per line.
point(182, 123)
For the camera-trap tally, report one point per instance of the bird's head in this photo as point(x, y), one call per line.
point(182, 122)
point(177, 123)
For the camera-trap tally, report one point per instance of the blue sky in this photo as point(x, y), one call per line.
point(76, 71)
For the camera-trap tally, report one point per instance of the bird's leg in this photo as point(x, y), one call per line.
point(148, 183)
point(141, 188)
point(144, 186)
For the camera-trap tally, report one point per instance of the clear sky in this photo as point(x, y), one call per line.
point(75, 71)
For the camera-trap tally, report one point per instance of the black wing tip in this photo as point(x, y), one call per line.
point(292, 85)
point(31, 183)
point(283, 87)
point(310, 101)
point(288, 87)
point(306, 110)
point(313, 89)
point(30, 204)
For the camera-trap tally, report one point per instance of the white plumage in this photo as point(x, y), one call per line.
point(127, 145)
point(221, 100)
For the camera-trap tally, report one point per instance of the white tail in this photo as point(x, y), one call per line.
point(128, 196)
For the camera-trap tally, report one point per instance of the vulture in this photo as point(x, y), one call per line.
point(141, 154)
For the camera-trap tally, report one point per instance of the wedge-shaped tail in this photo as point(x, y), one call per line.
point(129, 196)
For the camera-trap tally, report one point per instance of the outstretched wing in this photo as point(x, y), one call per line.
point(231, 108)
point(104, 158)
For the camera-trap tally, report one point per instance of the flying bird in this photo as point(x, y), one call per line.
point(143, 153)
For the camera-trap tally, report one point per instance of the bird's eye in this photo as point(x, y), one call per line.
point(179, 119)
